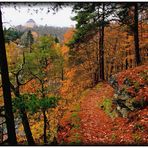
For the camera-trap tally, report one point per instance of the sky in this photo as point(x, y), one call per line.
point(13, 17)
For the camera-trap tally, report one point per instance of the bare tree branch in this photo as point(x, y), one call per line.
point(12, 87)
point(26, 81)
point(34, 75)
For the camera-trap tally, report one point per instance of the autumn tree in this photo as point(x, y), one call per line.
point(18, 77)
point(34, 104)
point(42, 65)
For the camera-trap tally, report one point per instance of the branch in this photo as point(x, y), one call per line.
point(2, 115)
point(12, 87)
point(1, 110)
point(22, 65)
point(16, 76)
point(35, 75)
point(26, 81)
point(13, 73)
point(115, 19)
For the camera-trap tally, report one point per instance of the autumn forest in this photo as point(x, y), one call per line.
point(84, 84)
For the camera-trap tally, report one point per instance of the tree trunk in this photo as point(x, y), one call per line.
point(96, 79)
point(25, 122)
point(45, 127)
point(27, 129)
point(102, 56)
point(136, 35)
point(96, 73)
point(44, 114)
point(126, 64)
point(54, 142)
point(30, 47)
point(6, 89)
point(102, 46)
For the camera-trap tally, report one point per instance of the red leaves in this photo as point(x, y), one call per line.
point(131, 91)
point(96, 127)
point(133, 74)
point(142, 94)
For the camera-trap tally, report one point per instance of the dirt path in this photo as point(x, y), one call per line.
point(89, 124)
point(95, 123)
point(97, 128)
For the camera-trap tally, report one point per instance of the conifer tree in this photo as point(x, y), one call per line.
point(92, 18)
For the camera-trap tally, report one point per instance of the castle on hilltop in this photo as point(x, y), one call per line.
point(30, 23)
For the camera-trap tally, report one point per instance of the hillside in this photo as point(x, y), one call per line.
point(41, 30)
point(97, 120)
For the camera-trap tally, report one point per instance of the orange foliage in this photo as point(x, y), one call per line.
point(67, 37)
point(30, 87)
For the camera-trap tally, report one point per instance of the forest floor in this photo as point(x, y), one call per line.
point(90, 124)
point(95, 123)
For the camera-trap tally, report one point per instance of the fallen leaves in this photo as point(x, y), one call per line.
point(98, 128)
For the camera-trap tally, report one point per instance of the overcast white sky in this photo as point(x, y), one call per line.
point(20, 16)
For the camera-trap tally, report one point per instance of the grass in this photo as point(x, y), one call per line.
point(107, 107)
point(76, 139)
point(76, 126)
point(137, 138)
point(75, 122)
point(113, 137)
point(74, 114)
point(75, 119)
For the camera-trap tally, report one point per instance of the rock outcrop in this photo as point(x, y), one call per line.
point(131, 90)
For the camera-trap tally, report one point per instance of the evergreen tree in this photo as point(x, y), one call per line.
point(11, 34)
point(128, 14)
point(92, 17)
point(56, 39)
point(27, 40)
point(30, 39)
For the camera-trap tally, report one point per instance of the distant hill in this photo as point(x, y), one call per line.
point(41, 30)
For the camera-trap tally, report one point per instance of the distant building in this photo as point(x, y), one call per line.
point(30, 23)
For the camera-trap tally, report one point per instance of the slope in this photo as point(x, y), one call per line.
point(97, 123)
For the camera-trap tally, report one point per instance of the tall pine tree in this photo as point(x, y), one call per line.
point(92, 18)
point(128, 14)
